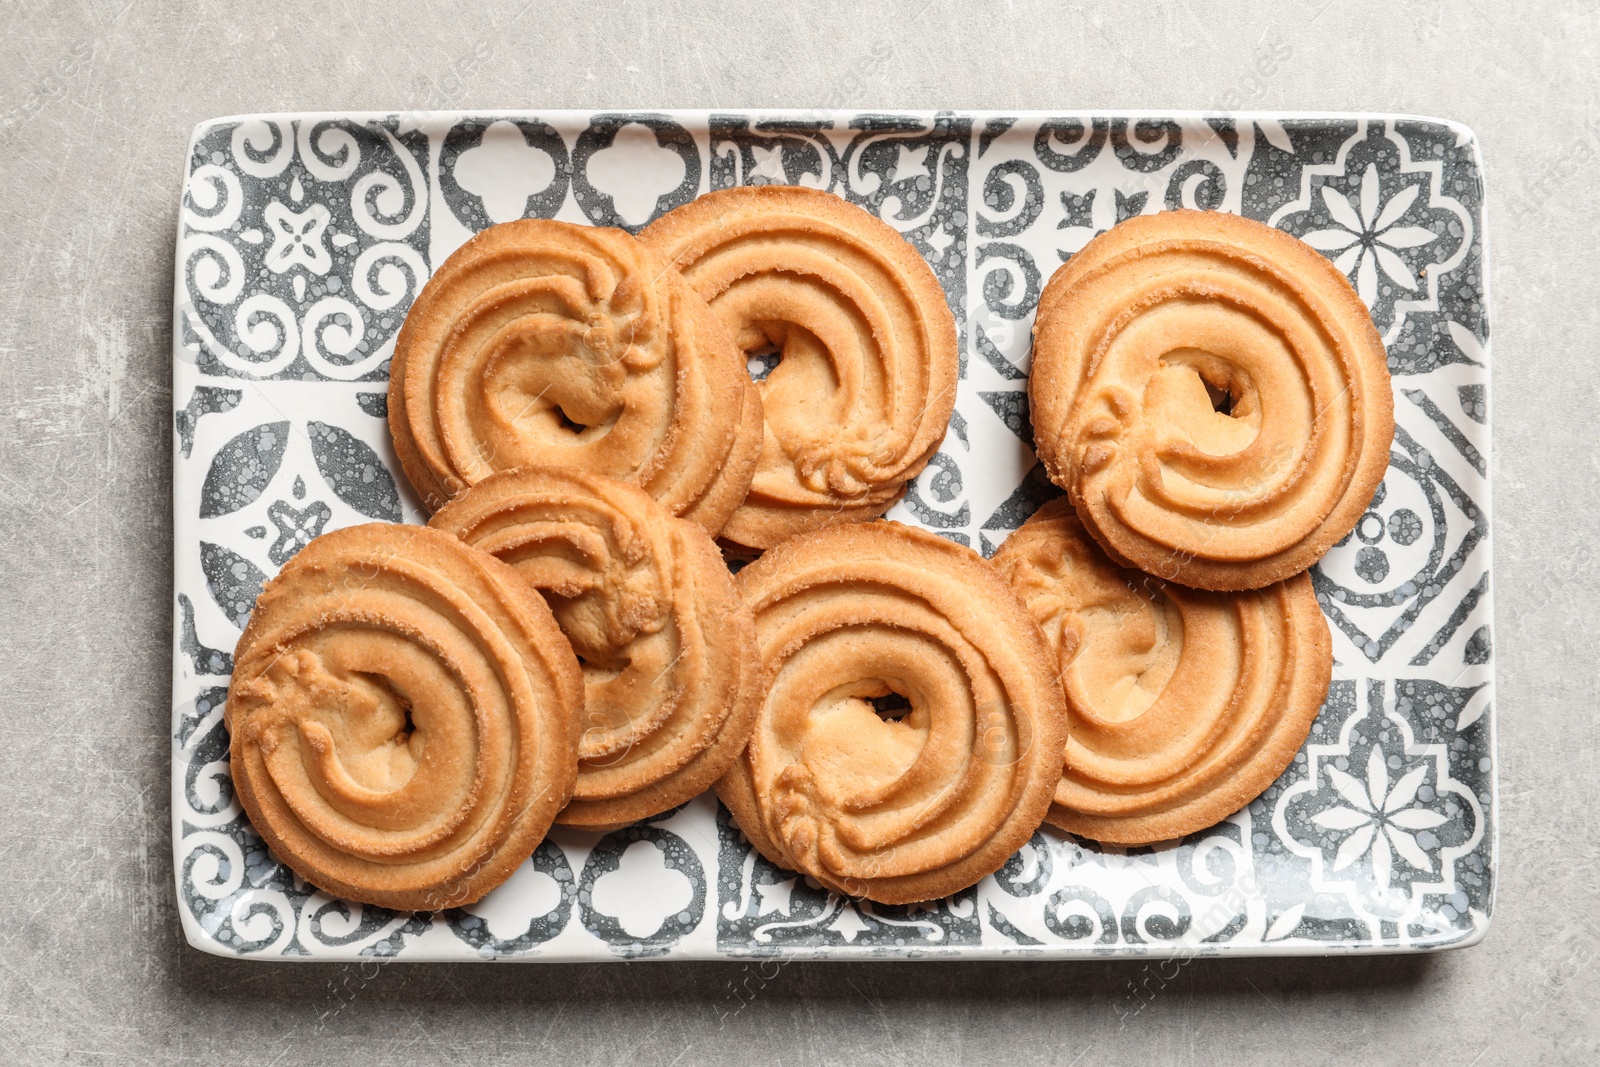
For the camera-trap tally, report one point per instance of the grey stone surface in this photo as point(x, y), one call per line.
point(96, 102)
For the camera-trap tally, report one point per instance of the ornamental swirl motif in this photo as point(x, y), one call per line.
point(301, 247)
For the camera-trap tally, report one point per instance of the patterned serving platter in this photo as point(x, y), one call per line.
point(304, 238)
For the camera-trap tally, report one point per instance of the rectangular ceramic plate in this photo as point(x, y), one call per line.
point(304, 238)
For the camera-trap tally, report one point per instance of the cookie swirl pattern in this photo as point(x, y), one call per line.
point(1184, 705)
point(1212, 395)
point(907, 809)
point(671, 676)
point(863, 392)
point(402, 717)
point(541, 342)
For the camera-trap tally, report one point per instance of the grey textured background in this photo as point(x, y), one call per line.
point(96, 104)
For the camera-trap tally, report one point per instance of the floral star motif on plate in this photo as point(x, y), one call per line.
point(296, 528)
point(1370, 239)
point(1381, 819)
point(297, 238)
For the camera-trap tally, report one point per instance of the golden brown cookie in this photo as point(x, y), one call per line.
point(541, 342)
point(402, 716)
point(905, 804)
point(1212, 395)
point(1184, 705)
point(671, 676)
point(862, 395)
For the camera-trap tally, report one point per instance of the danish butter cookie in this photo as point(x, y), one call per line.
point(402, 717)
point(575, 347)
point(914, 801)
point(862, 394)
point(1184, 705)
point(1212, 395)
point(671, 676)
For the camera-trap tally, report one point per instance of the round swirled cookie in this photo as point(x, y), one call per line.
point(910, 739)
point(403, 715)
point(671, 676)
point(541, 342)
point(1212, 395)
point(866, 380)
point(1183, 704)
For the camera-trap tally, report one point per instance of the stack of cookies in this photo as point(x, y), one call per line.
point(880, 709)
